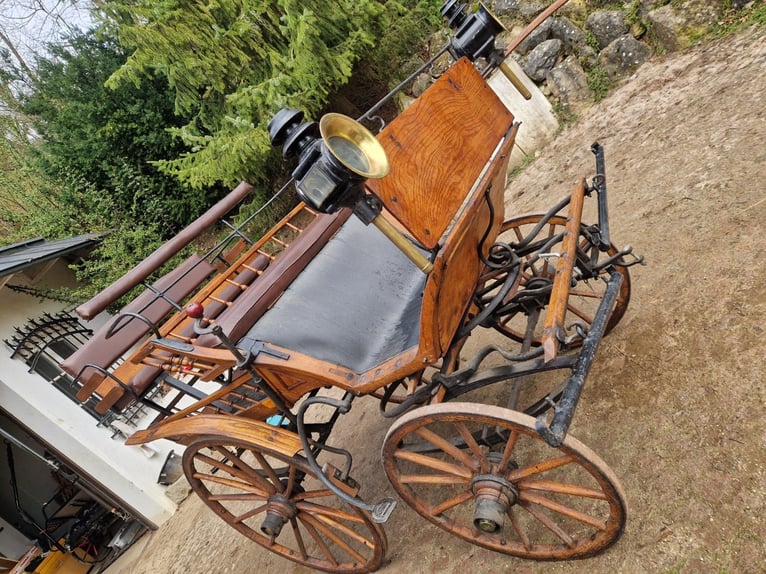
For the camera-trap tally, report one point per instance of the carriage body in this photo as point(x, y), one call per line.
point(341, 307)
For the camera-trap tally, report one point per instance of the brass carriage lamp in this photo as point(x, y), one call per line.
point(335, 158)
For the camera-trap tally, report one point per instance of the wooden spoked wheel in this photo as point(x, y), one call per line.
point(525, 313)
point(484, 474)
point(276, 501)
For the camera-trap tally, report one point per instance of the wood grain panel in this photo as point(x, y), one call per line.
point(225, 427)
point(459, 116)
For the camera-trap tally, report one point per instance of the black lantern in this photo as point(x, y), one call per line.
point(335, 157)
point(475, 33)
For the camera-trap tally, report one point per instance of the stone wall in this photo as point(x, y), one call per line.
point(589, 45)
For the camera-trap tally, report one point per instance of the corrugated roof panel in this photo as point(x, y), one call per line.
point(20, 256)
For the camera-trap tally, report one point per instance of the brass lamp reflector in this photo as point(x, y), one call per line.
point(353, 146)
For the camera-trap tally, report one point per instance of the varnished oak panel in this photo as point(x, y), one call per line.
point(458, 117)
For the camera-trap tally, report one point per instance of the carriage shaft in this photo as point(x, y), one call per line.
point(554, 318)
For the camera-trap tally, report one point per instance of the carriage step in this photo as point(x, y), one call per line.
point(383, 509)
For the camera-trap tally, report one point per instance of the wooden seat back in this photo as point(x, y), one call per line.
point(440, 149)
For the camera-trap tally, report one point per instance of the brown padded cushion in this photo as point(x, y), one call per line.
point(230, 292)
point(99, 350)
point(146, 376)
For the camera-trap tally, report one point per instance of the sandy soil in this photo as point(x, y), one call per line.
point(675, 402)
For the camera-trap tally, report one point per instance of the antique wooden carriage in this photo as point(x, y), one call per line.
point(260, 346)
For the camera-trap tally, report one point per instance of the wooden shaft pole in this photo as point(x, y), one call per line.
point(516, 81)
point(553, 327)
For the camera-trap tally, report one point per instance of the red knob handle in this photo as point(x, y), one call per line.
point(194, 310)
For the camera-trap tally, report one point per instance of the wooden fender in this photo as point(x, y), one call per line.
point(258, 433)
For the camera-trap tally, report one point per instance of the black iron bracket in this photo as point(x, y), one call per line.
point(563, 412)
point(381, 510)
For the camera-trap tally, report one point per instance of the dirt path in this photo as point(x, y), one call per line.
point(675, 404)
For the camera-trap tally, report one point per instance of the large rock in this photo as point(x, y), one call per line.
point(538, 36)
point(623, 56)
point(575, 9)
point(573, 37)
point(525, 10)
point(569, 84)
point(558, 28)
point(531, 8)
point(665, 23)
point(504, 7)
point(542, 59)
point(676, 27)
point(606, 26)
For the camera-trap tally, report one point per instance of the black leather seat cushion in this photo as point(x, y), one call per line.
point(356, 304)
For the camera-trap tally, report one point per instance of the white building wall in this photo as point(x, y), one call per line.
point(126, 471)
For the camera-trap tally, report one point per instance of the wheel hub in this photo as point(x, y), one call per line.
point(493, 495)
point(278, 512)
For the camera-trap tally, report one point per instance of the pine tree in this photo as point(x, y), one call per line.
point(234, 63)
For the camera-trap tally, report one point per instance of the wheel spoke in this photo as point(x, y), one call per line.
point(266, 468)
point(561, 488)
point(239, 467)
point(243, 472)
point(313, 494)
point(451, 502)
point(228, 482)
point(250, 513)
point(587, 317)
point(517, 528)
point(442, 479)
point(434, 463)
point(473, 446)
point(449, 448)
point(339, 526)
point(323, 526)
point(299, 539)
point(548, 523)
point(562, 509)
point(510, 444)
point(238, 497)
point(308, 524)
point(290, 482)
point(539, 467)
point(585, 294)
point(327, 511)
